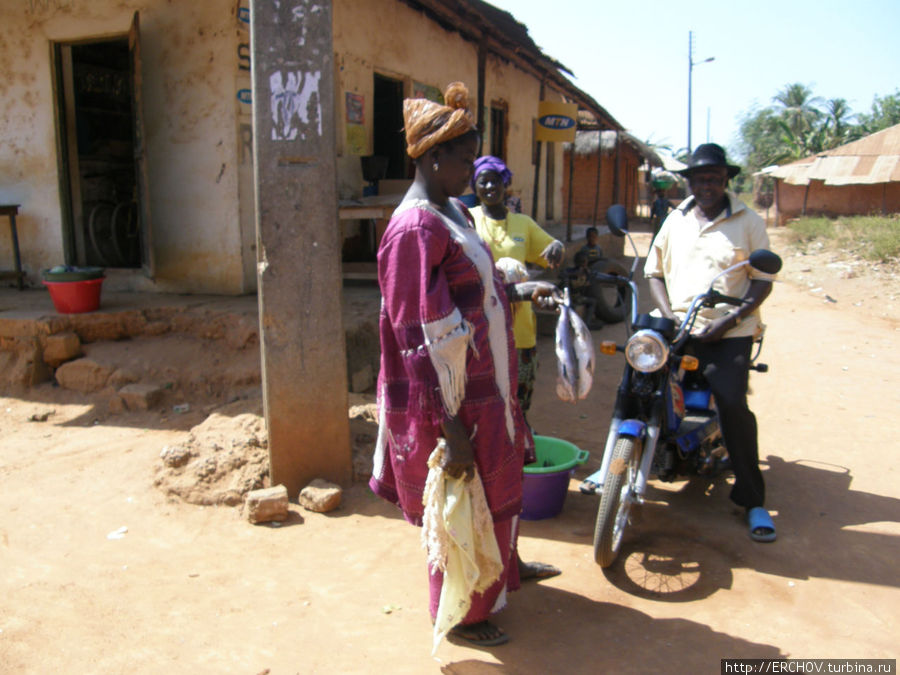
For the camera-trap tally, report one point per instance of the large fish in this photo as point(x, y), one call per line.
point(565, 355)
point(584, 354)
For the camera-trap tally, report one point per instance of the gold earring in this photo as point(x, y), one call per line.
point(435, 167)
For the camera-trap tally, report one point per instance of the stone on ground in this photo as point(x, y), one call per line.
point(267, 505)
point(320, 496)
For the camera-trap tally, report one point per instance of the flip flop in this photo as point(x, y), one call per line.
point(471, 632)
point(535, 571)
point(762, 528)
point(588, 487)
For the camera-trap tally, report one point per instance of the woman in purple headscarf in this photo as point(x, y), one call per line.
point(513, 235)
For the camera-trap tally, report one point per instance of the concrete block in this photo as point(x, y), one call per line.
point(83, 375)
point(61, 348)
point(320, 496)
point(139, 396)
point(267, 504)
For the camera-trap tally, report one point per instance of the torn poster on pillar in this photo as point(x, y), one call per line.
point(295, 101)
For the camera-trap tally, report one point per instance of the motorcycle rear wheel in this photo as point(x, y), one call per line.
point(615, 504)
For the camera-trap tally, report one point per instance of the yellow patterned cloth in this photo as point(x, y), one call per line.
point(458, 533)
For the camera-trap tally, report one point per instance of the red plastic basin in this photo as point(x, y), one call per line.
point(75, 297)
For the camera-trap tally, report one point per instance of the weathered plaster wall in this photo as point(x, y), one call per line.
point(190, 63)
point(390, 38)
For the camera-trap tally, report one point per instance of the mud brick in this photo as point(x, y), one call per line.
point(140, 396)
point(267, 504)
point(83, 375)
point(320, 496)
point(61, 348)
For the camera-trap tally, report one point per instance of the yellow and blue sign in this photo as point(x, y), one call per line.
point(556, 122)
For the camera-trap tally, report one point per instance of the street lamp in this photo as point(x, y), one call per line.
point(691, 64)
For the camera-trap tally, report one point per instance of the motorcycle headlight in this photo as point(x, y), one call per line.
point(646, 351)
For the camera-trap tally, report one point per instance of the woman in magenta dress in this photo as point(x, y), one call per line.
point(448, 363)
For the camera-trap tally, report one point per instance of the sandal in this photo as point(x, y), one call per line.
point(762, 528)
point(481, 634)
point(535, 571)
point(588, 487)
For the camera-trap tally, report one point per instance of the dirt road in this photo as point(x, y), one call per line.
point(188, 589)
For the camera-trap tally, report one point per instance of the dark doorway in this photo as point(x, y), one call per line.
point(387, 121)
point(101, 152)
point(498, 130)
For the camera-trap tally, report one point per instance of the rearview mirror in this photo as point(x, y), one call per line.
point(765, 261)
point(617, 220)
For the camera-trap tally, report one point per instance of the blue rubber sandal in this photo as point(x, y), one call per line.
point(762, 528)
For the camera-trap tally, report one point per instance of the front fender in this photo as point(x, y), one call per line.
point(634, 428)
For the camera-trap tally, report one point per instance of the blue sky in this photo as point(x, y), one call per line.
point(631, 56)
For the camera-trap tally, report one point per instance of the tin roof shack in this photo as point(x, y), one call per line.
point(605, 169)
point(128, 144)
point(858, 178)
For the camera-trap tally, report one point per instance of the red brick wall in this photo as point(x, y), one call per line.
point(585, 185)
point(836, 200)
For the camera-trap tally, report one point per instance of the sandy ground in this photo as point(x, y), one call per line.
point(192, 589)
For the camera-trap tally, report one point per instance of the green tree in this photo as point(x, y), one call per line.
point(760, 142)
point(838, 125)
point(798, 107)
point(885, 113)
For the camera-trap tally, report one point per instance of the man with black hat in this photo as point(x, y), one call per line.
point(708, 232)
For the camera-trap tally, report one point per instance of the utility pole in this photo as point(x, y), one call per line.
point(691, 64)
point(302, 342)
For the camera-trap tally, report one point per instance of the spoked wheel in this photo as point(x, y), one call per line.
point(615, 504)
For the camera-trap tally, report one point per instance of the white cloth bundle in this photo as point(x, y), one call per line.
point(458, 533)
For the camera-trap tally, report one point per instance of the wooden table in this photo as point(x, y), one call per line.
point(11, 210)
point(376, 210)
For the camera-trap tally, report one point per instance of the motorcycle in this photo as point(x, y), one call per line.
point(664, 421)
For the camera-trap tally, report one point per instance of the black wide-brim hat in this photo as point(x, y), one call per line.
point(706, 155)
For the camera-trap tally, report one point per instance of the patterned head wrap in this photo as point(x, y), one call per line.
point(491, 163)
point(428, 123)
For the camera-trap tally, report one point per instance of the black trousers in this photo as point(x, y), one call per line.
point(725, 364)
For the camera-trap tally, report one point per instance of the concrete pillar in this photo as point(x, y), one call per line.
point(299, 260)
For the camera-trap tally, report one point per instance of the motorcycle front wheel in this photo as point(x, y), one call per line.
point(615, 504)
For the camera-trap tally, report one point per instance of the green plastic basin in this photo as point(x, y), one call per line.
point(554, 455)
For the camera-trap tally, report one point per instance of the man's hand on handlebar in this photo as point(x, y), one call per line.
point(715, 330)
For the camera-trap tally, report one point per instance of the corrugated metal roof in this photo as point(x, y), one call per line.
point(870, 160)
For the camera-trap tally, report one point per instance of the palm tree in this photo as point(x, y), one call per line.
point(838, 123)
point(799, 108)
